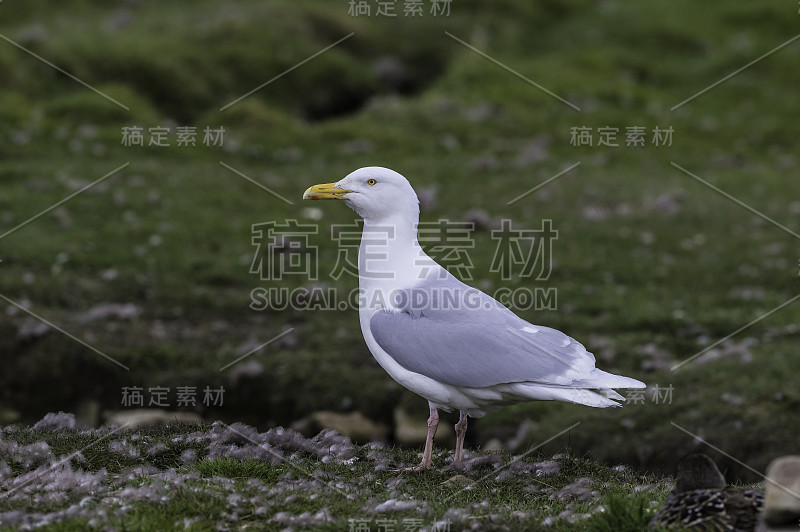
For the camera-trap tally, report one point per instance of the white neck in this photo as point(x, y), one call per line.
point(390, 256)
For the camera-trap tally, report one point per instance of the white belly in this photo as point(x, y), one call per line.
point(438, 394)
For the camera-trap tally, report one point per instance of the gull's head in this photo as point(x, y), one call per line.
point(375, 193)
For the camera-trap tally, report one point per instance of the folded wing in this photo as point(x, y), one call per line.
point(458, 335)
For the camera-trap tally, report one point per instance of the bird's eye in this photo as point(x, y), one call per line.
point(371, 182)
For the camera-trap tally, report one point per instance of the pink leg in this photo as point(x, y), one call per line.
point(461, 431)
point(427, 455)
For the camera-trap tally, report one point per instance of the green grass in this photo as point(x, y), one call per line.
point(623, 513)
point(170, 233)
point(238, 469)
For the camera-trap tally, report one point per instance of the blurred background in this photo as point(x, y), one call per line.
point(683, 234)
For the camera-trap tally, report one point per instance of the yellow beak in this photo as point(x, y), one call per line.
point(324, 191)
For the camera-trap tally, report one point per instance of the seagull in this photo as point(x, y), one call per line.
point(701, 500)
point(447, 342)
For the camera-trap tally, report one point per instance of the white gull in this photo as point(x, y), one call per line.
point(442, 339)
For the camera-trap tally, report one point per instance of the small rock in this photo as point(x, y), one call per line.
point(493, 445)
point(411, 431)
point(189, 456)
point(312, 212)
point(145, 417)
point(733, 400)
point(480, 112)
point(8, 415)
point(110, 274)
point(489, 461)
point(395, 505)
point(654, 357)
point(51, 421)
point(454, 515)
point(352, 424)
point(110, 311)
point(547, 468)
point(31, 329)
point(533, 152)
point(595, 213)
point(457, 481)
point(156, 449)
point(578, 491)
point(780, 506)
point(739, 351)
point(669, 203)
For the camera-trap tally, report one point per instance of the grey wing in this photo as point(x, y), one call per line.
point(458, 335)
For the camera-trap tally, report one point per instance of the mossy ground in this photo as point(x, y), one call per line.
point(158, 490)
